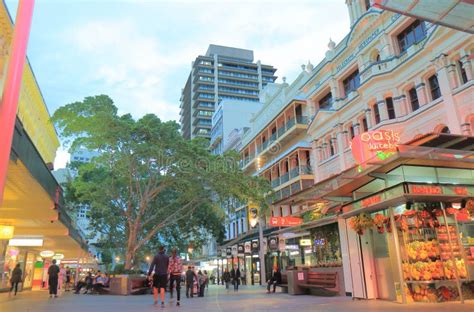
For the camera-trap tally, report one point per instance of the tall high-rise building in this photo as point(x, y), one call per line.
point(222, 73)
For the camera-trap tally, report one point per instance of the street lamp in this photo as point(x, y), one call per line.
point(147, 258)
point(117, 259)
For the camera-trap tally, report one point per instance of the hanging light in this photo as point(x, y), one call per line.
point(6, 231)
point(47, 253)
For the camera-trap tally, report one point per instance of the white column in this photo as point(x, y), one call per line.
point(341, 138)
point(399, 103)
point(467, 65)
point(421, 91)
point(453, 76)
point(453, 120)
point(368, 116)
point(382, 107)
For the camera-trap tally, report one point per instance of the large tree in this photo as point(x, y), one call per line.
point(148, 186)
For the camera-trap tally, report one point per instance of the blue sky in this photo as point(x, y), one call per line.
point(140, 52)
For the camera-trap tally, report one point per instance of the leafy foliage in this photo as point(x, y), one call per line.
point(149, 186)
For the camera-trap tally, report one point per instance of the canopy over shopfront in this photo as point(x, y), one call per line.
point(33, 207)
point(455, 14)
point(448, 150)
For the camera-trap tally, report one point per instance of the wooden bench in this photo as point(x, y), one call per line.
point(327, 282)
point(284, 283)
point(139, 286)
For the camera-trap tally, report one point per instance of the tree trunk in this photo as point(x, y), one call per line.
point(263, 274)
point(130, 252)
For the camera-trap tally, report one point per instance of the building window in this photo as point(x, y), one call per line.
point(390, 108)
point(365, 126)
point(413, 99)
point(411, 35)
point(375, 108)
point(352, 131)
point(434, 87)
point(462, 72)
point(351, 83)
point(367, 5)
point(326, 101)
point(332, 149)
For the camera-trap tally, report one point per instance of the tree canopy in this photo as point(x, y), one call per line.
point(148, 185)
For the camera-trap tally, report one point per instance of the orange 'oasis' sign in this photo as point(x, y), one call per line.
point(374, 145)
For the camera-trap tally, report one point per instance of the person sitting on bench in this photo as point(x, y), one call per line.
point(274, 280)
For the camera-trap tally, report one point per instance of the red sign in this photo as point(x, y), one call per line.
point(371, 201)
point(460, 190)
point(374, 145)
point(285, 221)
point(426, 189)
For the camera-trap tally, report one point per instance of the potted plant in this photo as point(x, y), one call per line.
point(361, 223)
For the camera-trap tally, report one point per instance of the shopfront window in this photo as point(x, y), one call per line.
point(326, 247)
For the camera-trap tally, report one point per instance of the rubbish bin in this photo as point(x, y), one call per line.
point(295, 277)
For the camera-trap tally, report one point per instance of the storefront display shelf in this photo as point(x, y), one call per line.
point(436, 281)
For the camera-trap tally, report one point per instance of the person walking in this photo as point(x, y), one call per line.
point(17, 275)
point(159, 266)
point(235, 276)
point(53, 276)
point(175, 269)
point(189, 282)
point(68, 279)
point(274, 280)
point(206, 281)
point(202, 283)
point(226, 278)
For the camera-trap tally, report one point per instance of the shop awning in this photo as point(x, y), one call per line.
point(455, 14)
point(430, 149)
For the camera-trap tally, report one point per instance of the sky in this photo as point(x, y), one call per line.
point(140, 52)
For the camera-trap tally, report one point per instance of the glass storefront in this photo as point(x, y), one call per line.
point(421, 242)
point(326, 249)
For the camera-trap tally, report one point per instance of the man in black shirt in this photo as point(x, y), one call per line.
point(53, 275)
point(274, 280)
point(189, 281)
point(160, 277)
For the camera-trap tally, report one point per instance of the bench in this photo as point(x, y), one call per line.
point(139, 286)
point(284, 283)
point(327, 282)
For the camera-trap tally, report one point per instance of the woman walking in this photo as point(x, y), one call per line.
point(226, 278)
point(17, 275)
point(235, 275)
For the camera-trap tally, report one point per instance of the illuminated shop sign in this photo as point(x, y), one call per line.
point(374, 145)
point(305, 242)
point(26, 242)
point(426, 189)
point(292, 247)
point(285, 221)
point(320, 242)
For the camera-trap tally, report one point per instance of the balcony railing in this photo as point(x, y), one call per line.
point(301, 120)
point(275, 182)
point(285, 178)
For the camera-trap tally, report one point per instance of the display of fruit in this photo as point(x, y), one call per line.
point(424, 293)
point(442, 229)
point(421, 250)
point(449, 269)
point(379, 220)
point(447, 293)
point(423, 271)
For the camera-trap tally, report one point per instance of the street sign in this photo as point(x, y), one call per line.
point(285, 221)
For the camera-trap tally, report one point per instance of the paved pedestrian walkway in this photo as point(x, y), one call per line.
point(247, 299)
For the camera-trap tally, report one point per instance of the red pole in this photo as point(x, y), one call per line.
point(11, 91)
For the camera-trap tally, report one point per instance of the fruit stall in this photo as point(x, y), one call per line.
point(435, 241)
